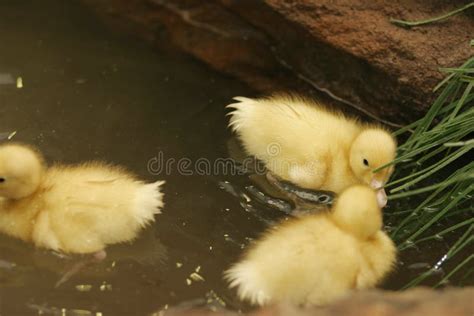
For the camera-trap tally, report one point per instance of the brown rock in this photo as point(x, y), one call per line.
point(347, 48)
point(414, 302)
point(350, 47)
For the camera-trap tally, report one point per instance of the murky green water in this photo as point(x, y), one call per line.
point(90, 94)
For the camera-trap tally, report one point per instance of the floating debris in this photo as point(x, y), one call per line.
point(12, 134)
point(179, 265)
point(419, 265)
point(79, 312)
point(83, 287)
point(105, 287)
point(7, 136)
point(19, 82)
point(213, 300)
point(6, 264)
point(196, 277)
point(162, 311)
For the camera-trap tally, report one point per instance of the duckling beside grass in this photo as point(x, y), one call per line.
point(72, 209)
point(303, 142)
point(319, 258)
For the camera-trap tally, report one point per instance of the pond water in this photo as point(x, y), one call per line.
point(80, 92)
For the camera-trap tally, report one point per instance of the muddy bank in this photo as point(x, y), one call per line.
point(417, 301)
point(345, 48)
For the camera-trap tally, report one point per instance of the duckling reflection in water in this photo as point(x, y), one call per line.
point(72, 209)
point(20, 262)
point(318, 258)
point(269, 190)
point(303, 142)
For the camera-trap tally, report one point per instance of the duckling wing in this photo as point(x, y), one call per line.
point(294, 137)
point(71, 230)
point(89, 208)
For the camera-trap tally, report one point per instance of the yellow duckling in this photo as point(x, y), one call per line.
point(316, 259)
point(73, 209)
point(301, 141)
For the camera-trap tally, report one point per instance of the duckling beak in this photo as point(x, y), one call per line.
point(381, 195)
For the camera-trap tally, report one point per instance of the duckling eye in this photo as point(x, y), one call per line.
point(2, 180)
point(366, 162)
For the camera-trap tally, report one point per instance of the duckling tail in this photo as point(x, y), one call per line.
point(241, 110)
point(245, 278)
point(148, 202)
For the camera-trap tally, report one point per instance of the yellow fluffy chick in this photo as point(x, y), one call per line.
point(303, 142)
point(74, 209)
point(316, 259)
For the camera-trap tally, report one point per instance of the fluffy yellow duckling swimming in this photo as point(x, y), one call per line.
point(316, 259)
point(301, 141)
point(73, 209)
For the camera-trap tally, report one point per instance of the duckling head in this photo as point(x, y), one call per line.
point(373, 148)
point(357, 211)
point(21, 170)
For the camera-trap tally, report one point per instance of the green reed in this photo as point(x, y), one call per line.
point(432, 20)
point(436, 173)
